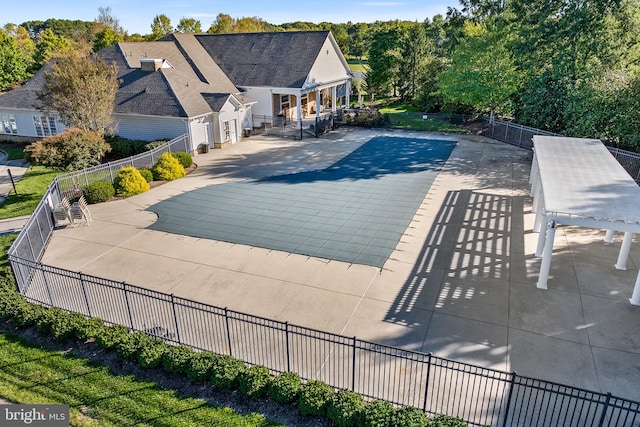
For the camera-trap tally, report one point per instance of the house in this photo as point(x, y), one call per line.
point(212, 87)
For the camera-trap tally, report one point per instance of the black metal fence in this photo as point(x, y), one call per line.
point(479, 395)
point(436, 385)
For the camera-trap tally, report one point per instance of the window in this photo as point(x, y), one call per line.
point(45, 125)
point(8, 124)
point(227, 131)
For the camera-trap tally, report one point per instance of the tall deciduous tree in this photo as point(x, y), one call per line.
point(189, 25)
point(82, 91)
point(106, 19)
point(160, 27)
point(13, 65)
point(384, 61)
point(105, 38)
point(482, 72)
point(50, 46)
point(414, 51)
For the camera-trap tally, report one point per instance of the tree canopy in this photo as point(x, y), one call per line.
point(82, 91)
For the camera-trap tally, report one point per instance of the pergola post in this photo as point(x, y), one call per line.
point(547, 253)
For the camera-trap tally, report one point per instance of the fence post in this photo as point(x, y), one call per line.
point(426, 387)
point(286, 335)
point(46, 285)
point(175, 318)
point(126, 298)
point(226, 318)
point(111, 172)
point(353, 366)
point(604, 410)
point(506, 410)
point(84, 292)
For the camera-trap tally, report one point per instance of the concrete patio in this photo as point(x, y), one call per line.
point(459, 284)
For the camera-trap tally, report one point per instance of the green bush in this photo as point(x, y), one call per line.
point(125, 147)
point(285, 387)
point(314, 398)
point(151, 353)
point(176, 358)
point(184, 158)
point(146, 174)
point(111, 336)
point(155, 144)
point(199, 367)
point(129, 182)
point(25, 314)
point(344, 408)
point(44, 322)
point(254, 381)
point(446, 421)
point(131, 344)
point(376, 413)
point(167, 168)
point(408, 416)
point(98, 192)
point(69, 150)
point(225, 371)
point(85, 328)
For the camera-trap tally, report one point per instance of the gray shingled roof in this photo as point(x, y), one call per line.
point(280, 59)
point(26, 96)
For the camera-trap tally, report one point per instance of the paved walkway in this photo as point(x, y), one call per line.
point(460, 283)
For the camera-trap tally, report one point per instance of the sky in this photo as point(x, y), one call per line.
point(136, 15)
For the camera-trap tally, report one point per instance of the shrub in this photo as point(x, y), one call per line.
point(25, 314)
point(146, 174)
point(44, 322)
point(254, 381)
point(99, 192)
point(155, 144)
point(111, 336)
point(446, 421)
point(199, 367)
point(408, 416)
point(167, 168)
point(314, 398)
point(151, 353)
point(125, 147)
point(285, 387)
point(130, 344)
point(225, 370)
point(376, 413)
point(345, 407)
point(85, 328)
point(176, 358)
point(184, 158)
point(70, 150)
point(129, 182)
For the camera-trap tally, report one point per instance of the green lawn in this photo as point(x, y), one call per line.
point(13, 153)
point(30, 189)
point(33, 375)
point(358, 66)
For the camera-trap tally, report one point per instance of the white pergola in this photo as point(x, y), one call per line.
point(576, 181)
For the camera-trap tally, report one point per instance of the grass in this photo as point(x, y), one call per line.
point(30, 190)
point(358, 66)
point(13, 153)
point(5, 244)
point(29, 374)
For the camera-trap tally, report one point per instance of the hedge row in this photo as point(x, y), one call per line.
point(131, 181)
point(343, 408)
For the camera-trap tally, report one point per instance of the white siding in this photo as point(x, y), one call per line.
point(263, 97)
point(200, 132)
point(229, 114)
point(328, 66)
point(24, 121)
point(150, 128)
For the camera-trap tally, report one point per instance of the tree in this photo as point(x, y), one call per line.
point(384, 61)
point(414, 51)
point(50, 46)
point(106, 19)
point(13, 65)
point(82, 91)
point(160, 27)
point(223, 24)
point(482, 72)
point(70, 150)
point(189, 25)
point(105, 38)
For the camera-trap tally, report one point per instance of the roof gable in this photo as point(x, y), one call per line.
point(282, 59)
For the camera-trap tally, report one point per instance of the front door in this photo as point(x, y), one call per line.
point(233, 131)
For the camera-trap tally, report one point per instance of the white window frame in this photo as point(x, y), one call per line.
point(227, 130)
point(45, 125)
point(8, 124)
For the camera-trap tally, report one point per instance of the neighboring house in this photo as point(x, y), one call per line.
point(210, 86)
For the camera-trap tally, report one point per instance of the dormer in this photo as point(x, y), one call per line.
point(154, 64)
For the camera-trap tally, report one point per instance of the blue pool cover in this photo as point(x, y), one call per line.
point(356, 210)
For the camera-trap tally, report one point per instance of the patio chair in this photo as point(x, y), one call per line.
point(79, 211)
point(61, 212)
